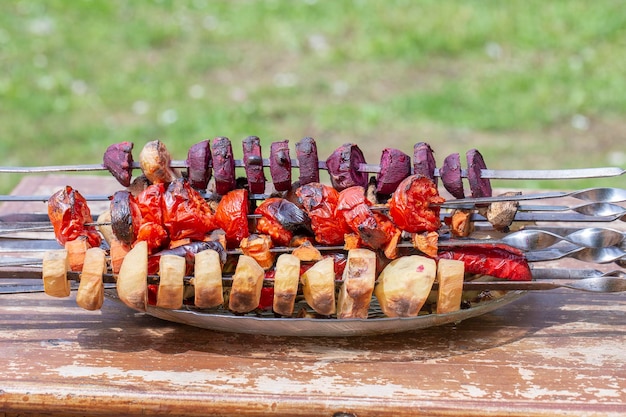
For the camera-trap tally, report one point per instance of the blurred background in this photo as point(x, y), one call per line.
point(531, 84)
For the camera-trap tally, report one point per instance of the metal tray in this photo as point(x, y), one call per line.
point(267, 324)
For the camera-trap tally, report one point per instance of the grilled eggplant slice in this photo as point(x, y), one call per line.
point(223, 165)
point(343, 167)
point(118, 159)
point(280, 165)
point(199, 169)
point(451, 175)
point(253, 162)
point(306, 152)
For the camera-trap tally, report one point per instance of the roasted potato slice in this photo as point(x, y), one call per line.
point(318, 286)
point(359, 277)
point(245, 293)
point(207, 281)
point(90, 295)
point(132, 285)
point(450, 274)
point(54, 273)
point(171, 274)
point(404, 285)
point(286, 281)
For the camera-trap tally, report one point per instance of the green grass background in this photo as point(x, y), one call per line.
point(532, 84)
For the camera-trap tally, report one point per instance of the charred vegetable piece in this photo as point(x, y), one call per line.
point(424, 161)
point(395, 166)
point(499, 261)
point(450, 173)
point(223, 165)
point(404, 285)
point(151, 229)
point(132, 285)
point(359, 277)
point(68, 212)
point(207, 280)
point(199, 169)
point(280, 219)
point(343, 167)
point(280, 165)
point(354, 207)
point(185, 213)
point(258, 247)
point(414, 207)
point(253, 162)
point(188, 252)
point(155, 160)
point(480, 187)
point(286, 281)
point(125, 216)
point(320, 202)
point(306, 152)
point(232, 216)
point(245, 292)
point(501, 214)
point(118, 159)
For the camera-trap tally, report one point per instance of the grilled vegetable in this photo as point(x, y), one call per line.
point(199, 169)
point(185, 213)
point(253, 162)
point(118, 159)
point(68, 212)
point(404, 285)
point(318, 286)
point(54, 273)
point(90, 295)
point(171, 274)
point(359, 277)
point(343, 167)
point(223, 165)
point(320, 203)
point(280, 219)
point(232, 216)
point(424, 161)
point(286, 281)
point(280, 165)
point(450, 275)
point(480, 187)
point(395, 166)
point(207, 280)
point(414, 206)
point(306, 152)
point(132, 286)
point(354, 207)
point(450, 173)
point(125, 216)
point(245, 292)
point(499, 261)
point(155, 160)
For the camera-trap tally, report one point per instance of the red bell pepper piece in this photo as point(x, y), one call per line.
point(500, 261)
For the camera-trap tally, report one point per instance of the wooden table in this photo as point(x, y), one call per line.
point(552, 353)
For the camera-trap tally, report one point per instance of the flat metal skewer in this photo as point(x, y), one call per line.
point(553, 174)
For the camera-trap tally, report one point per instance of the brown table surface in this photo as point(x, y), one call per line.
point(558, 352)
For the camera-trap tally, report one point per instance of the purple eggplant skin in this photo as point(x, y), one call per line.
point(223, 165)
point(122, 218)
point(306, 153)
point(480, 187)
point(450, 173)
point(395, 166)
point(424, 161)
point(280, 165)
point(253, 162)
point(199, 164)
point(343, 167)
point(118, 159)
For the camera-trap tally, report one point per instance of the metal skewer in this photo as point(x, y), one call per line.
point(556, 174)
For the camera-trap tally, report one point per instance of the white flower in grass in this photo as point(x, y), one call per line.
point(196, 91)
